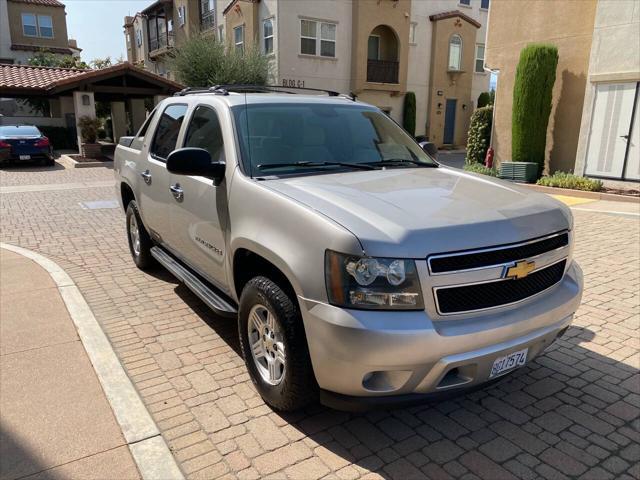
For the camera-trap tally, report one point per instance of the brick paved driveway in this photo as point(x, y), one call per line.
point(573, 413)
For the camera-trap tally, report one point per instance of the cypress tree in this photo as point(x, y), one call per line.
point(535, 76)
point(409, 113)
point(484, 99)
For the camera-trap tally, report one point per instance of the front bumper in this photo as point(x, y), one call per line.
point(376, 356)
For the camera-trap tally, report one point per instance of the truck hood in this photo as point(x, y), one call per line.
point(412, 213)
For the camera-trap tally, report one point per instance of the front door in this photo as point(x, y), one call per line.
point(450, 121)
point(199, 218)
point(612, 150)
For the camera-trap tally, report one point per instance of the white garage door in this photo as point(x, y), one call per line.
point(613, 140)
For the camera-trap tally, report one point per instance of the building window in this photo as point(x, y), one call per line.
point(182, 15)
point(139, 38)
point(412, 32)
point(207, 14)
point(221, 33)
point(373, 47)
point(480, 58)
point(317, 41)
point(267, 32)
point(484, 4)
point(45, 26)
point(455, 52)
point(29, 25)
point(466, 3)
point(238, 38)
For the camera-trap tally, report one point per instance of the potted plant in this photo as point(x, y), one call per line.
point(89, 133)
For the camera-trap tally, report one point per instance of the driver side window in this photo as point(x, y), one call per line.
point(204, 132)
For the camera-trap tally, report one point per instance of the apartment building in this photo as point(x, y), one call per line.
point(29, 26)
point(377, 49)
point(593, 127)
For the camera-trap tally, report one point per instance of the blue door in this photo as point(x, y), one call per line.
point(449, 121)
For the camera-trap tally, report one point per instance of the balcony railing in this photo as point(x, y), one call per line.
point(164, 40)
point(207, 20)
point(382, 71)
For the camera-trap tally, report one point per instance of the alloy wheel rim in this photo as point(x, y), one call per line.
point(266, 342)
point(134, 234)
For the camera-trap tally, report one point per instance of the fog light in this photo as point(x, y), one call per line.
point(360, 297)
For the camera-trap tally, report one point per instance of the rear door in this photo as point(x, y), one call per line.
point(199, 218)
point(154, 195)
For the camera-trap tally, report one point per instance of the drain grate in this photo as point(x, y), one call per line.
point(99, 204)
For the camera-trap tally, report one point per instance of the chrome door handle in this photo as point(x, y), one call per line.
point(146, 176)
point(177, 192)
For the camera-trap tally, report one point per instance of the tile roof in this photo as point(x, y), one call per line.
point(49, 3)
point(452, 14)
point(24, 79)
point(28, 77)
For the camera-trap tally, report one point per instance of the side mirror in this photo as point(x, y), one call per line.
point(195, 161)
point(429, 148)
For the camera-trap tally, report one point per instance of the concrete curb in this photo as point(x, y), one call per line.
point(148, 448)
point(69, 162)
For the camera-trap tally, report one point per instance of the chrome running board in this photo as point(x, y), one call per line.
point(205, 292)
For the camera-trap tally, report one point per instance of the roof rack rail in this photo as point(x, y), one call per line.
point(225, 89)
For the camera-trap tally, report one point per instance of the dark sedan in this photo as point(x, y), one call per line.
point(24, 143)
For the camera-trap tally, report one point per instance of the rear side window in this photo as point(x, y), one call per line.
point(166, 136)
point(145, 126)
point(205, 132)
point(18, 130)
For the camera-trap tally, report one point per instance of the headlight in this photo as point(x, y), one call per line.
point(372, 283)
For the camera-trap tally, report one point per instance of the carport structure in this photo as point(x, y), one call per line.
point(73, 93)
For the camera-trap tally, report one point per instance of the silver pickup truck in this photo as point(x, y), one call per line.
point(360, 271)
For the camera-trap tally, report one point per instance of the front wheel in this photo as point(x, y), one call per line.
point(139, 241)
point(274, 346)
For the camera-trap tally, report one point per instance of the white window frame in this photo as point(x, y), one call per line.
point(484, 9)
point(265, 37)
point(465, 5)
point(237, 44)
point(449, 66)
point(182, 15)
point(35, 23)
point(40, 28)
point(379, 46)
point(475, 64)
point(221, 33)
point(412, 33)
point(318, 38)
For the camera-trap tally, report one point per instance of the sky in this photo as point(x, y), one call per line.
point(97, 25)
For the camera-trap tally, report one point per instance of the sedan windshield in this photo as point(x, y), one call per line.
point(288, 138)
point(19, 130)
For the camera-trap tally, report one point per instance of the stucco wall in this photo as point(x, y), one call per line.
point(58, 17)
point(612, 59)
point(569, 26)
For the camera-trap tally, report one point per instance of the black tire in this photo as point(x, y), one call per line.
point(298, 386)
point(142, 257)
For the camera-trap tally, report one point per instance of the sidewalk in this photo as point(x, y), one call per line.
point(55, 421)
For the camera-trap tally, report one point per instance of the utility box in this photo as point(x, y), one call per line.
point(519, 171)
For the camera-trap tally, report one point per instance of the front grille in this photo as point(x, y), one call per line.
point(494, 294)
point(489, 257)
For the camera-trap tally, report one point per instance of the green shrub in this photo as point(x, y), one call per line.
point(480, 168)
point(569, 180)
point(202, 62)
point(484, 99)
point(479, 135)
point(535, 76)
point(89, 128)
point(61, 138)
point(409, 113)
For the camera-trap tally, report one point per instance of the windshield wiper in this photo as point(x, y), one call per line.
point(389, 162)
point(357, 166)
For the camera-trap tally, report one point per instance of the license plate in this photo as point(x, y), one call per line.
point(508, 362)
point(25, 157)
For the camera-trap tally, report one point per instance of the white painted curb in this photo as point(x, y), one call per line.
point(149, 450)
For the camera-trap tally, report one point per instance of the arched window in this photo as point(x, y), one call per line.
point(455, 52)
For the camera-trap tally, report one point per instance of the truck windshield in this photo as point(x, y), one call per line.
point(288, 138)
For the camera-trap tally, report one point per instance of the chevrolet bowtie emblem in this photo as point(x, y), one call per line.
point(520, 270)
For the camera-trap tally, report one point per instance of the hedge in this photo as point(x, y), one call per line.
point(569, 180)
point(61, 138)
point(409, 113)
point(480, 168)
point(479, 135)
point(535, 76)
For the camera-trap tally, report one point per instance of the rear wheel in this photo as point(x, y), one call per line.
point(274, 346)
point(139, 240)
